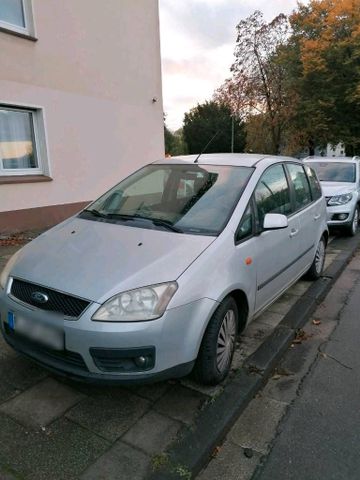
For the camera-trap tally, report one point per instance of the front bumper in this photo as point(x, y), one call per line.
point(335, 214)
point(172, 342)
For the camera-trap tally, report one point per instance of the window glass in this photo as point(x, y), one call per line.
point(272, 193)
point(314, 183)
point(12, 11)
point(196, 199)
point(17, 141)
point(335, 171)
point(301, 185)
point(245, 229)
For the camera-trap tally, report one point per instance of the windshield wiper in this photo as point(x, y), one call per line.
point(95, 212)
point(155, 221)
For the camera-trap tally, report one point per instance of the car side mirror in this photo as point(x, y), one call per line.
point(275, 221)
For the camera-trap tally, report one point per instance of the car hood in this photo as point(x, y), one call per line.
point(336, 188)
point(96, 260)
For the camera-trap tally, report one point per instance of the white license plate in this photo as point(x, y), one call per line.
point(45, 334)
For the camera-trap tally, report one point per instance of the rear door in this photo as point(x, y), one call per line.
point(276, 250)
point(308, 211)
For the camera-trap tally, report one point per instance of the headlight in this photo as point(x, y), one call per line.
point(6, 271)
point(142, 304)
point(340, 199)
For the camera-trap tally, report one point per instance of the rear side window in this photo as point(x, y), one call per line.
point(272, 193)
point(314, 183)
point(301, 185)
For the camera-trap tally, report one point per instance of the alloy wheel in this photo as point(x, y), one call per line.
point(226, 341)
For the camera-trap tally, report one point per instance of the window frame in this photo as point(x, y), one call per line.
point(40, 143)
point(29, 30)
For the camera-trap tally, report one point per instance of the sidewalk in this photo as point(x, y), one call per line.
point(320, 436)
point(305, 423)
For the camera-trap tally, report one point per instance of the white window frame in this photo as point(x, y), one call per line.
point(38, 125)
point(29, 29)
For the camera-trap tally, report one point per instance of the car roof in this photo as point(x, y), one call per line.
point(332, 159)
point(229, 159)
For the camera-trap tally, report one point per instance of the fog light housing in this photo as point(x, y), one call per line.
point(124, 359)
point(340, 216)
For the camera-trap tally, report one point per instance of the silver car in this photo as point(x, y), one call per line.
point(156, 278)
point(340, 182)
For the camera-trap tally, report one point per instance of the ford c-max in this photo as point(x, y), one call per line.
point(156, 278)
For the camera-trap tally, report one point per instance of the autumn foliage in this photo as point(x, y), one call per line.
point(297, 79)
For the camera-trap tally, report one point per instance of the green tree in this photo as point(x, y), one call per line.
point(208, 119)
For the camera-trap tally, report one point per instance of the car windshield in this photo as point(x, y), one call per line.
point(194, 199)
point(335, 171)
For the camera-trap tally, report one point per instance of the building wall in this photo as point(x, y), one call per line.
point(95, 70)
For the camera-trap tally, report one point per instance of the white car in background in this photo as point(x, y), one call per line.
point(339, 178)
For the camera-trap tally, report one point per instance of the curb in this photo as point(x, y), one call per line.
point(192, 452)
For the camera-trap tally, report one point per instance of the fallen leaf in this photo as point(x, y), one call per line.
point(316, 322)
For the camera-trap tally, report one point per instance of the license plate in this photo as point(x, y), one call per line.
point(38, 332)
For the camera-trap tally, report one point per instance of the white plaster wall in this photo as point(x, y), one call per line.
point(94, 70)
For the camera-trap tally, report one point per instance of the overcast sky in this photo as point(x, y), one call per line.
point(197, 43)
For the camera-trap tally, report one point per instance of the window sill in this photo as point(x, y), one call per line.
point(24, 179)
point(27, 36)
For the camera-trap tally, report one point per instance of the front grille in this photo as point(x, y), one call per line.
point(55, 358)
point(57, 302)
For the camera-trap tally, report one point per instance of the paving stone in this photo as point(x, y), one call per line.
point(210, 391)
point(109, 415)
point(121, 462)
point(231, 464)
point(6, 474)
point(20, 371)
point(41, 404)
point(150, 392)
point(299, 288)
point(5, 349)
point(270, 318)
point(258, 330)
point(332, 305)
point(7, 391)
point(180, 403)
point(257, 425)
point(62, 452)
point(283, 304)
point(152, 433)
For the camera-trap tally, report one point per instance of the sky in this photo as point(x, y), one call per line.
point(197, 47)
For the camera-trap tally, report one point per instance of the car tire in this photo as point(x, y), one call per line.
point(353, 227)
point(218, 344)
point(317, 266)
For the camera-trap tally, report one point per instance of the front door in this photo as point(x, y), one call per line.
point(276, 250)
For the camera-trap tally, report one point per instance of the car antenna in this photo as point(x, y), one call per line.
point(206, 146)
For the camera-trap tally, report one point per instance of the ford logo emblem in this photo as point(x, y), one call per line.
point(39, 297)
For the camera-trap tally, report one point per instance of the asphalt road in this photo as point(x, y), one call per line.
point(319, 436)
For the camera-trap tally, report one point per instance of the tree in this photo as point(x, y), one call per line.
point(207, 119)
point(324, 73)
point(258, 75)
point(174, 142)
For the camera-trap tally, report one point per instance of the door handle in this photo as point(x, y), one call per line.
point(317, 217)
point(294, 232)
